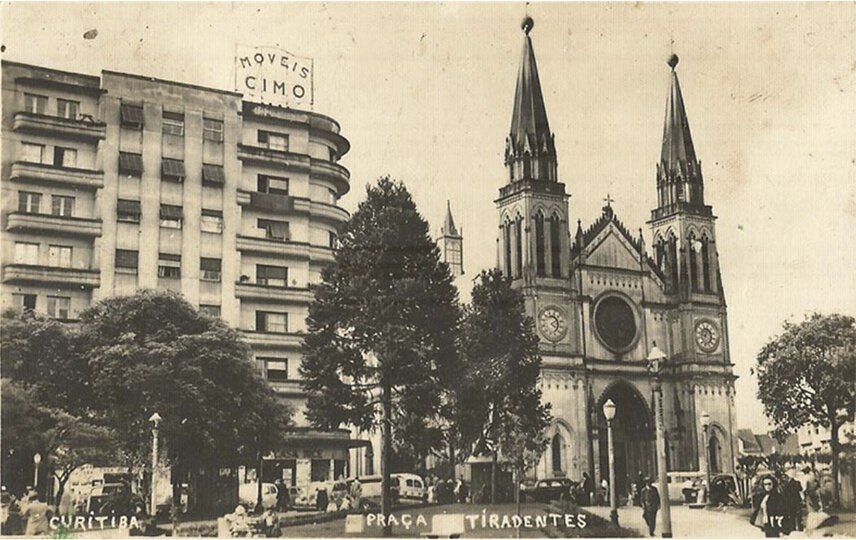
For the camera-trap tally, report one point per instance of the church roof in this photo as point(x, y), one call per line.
point(529, 115)
point(449, 228)
point(606, 218)
point(678, 150)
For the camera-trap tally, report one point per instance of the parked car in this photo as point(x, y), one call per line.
point(678, 481)
point(248, 494)
point(410, 486)
point(550, 489)
point(371, 491)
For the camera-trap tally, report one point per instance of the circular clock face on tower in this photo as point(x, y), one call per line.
point(552, 323)
point(707, 336)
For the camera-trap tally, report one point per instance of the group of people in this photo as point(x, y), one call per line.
point(777, 508)
point(439, 491)
point(324, 502)
point(30, 515)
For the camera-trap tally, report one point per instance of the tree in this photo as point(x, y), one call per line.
point(499, 403)
point(807, 375)
point(153, 352)
point(65, 442)
point(381, 328)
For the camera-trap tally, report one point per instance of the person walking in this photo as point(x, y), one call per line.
point(38, 515)
point(649, 499)
point(356, 493)
point(792, 503)
point(767, 508)
point(588, 490)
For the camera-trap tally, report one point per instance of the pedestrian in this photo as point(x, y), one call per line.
point(604, 491)
point(792, 504)
point(321, 500)
point(356, 493)
point(640, 483)
point(431, 491)
point(456, 492)
point(38, 515)
point(767, 511)
point(588, 489)
point(282, 499)
point(463, 492)
point(650, 500)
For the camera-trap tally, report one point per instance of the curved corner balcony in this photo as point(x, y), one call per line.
point(51, 275)
point(267, 246)
point(24, 171)
point(57, 225)
point(332, 172)
point(269, 293)
point(273, 340)
point(58, 126)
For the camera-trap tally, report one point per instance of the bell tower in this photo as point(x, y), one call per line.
point(533, 244)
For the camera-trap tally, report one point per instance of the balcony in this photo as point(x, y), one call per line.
point(328, 212)
point(268, 293)
point(288, 388)
point(271, 202)
point(53, 276)
point(270, 156)
point(270, 340)
point(63, 176)
point(321, 253)
point(332, 172)
point(264, 246)
point(57, 225)
point(56, 126)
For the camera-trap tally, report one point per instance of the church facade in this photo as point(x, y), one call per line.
point(602, 299)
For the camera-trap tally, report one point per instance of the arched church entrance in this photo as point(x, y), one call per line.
point(715, 446)
point(633, 436)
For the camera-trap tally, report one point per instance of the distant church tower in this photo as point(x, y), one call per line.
point(452, 244)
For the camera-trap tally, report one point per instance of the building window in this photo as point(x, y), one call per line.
point(65, 157)
point(62, 205)
point(132, 116)
point(210, 269)
point(67, 109)
point(333, 197)
point(59, 306)
point(130, 164)
point(272, 184)
point(59, 256)
point(210, 310)
point(274, 230)
point(26, 301)
point(170, 216)
point(26, 253)
point(274, 141)
point(34, 103)
point(128, 211)
point(275, 369)
point(127, 259)
point(269, 321)
point(173, 123)
point(273, 276)
point(29, 202)
point(169, 266)
point(213, 175)
point(555, 247)
point(212, 130)
point(172, 170)
point(332, 242)
point(212, 221)
point(32, 152)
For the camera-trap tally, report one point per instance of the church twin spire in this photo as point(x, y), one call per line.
point(680, 185)
point(530, 151)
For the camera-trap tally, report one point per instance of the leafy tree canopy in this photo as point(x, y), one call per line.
point(385, 314)
point(498, 399)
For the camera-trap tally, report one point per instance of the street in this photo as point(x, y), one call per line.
point(686, 522)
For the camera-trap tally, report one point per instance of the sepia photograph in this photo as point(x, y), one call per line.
point(428, 269)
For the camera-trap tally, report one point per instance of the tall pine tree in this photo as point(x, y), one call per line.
point(381, 329)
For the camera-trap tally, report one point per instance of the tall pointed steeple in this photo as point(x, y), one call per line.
point(679, 178)
point(451, 243)
point(530, 152)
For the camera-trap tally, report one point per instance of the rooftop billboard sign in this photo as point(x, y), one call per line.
point(274, 76)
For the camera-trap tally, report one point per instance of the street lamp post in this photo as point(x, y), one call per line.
point(705, 423)
point(155, 420)
point(656, 362)
point(37, 458)
point(609, 413)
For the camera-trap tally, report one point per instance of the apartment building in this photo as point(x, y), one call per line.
point(120, 182)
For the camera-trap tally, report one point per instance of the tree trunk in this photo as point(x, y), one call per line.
point(260, 507)
point(385, 447)
point(451, 459)
point(493, 477)
point(517, 475)
point(833, 432)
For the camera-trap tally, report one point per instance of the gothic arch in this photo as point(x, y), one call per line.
point(717, 448)
point(560, 436)
point(617, 383)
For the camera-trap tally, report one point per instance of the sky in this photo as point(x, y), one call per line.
point(424, 92)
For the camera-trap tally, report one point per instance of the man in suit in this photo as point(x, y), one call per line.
point(650, 499)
